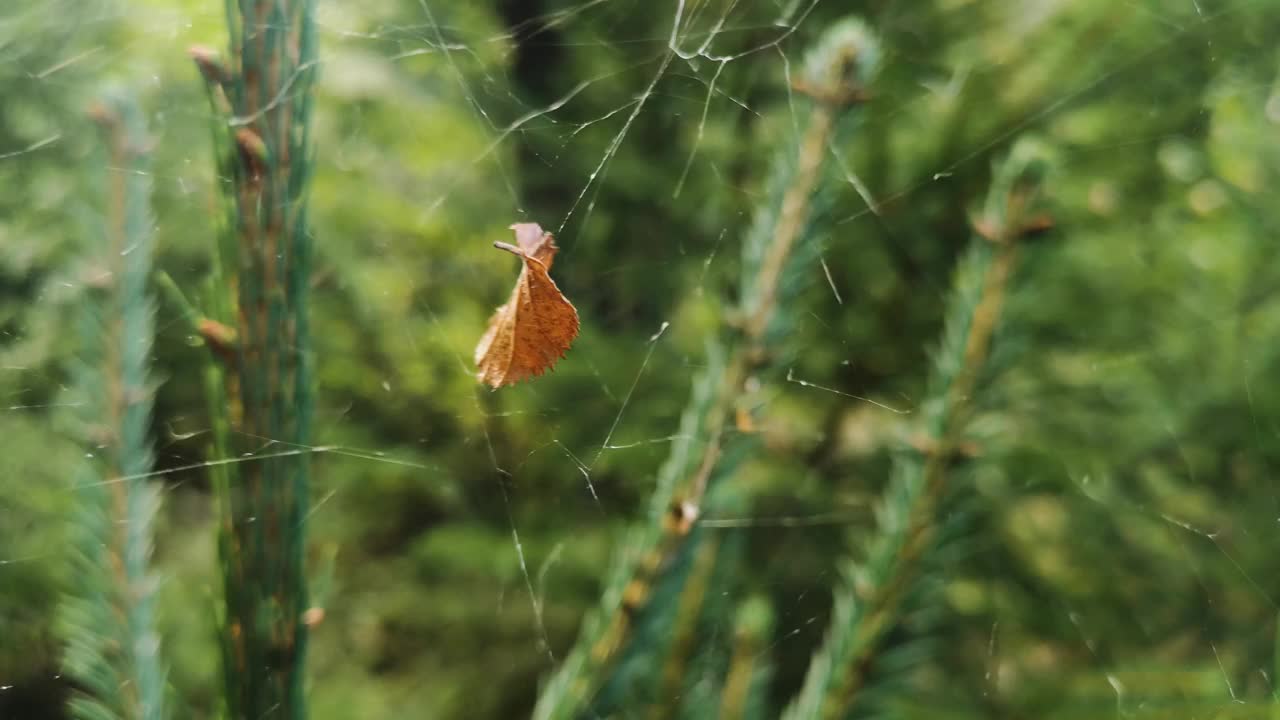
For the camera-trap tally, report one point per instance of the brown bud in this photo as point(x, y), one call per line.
point(210, 65)
point(253, 152)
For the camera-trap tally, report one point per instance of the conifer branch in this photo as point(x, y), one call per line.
point(684, 630)
point(875, 594)
point(836, 72)
point(749, 672)
point(259, 380)
point(108, 621)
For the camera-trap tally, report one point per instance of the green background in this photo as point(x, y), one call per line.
point(1122, 556)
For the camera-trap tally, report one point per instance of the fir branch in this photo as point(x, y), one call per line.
point(634, 569)
point(108, 620)
point(875, 594)
point(781, 236)
point(684, 630)
point(743, 695)
point(259, 379)
point(702, 677)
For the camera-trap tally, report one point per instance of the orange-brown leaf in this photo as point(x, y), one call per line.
point(535, 328)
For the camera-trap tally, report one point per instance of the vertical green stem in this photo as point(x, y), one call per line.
point(262, 388)
point(113, 650)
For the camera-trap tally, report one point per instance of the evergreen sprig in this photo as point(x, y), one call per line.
point(744, 694)
point(259, 380)
point(108, 620)
point(913, 527)
point(627, 641)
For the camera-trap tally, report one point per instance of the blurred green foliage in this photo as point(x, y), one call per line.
point(1124, 504)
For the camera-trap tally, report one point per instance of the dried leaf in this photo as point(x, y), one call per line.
point(535, 328)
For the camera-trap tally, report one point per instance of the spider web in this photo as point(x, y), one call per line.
point(447, 504)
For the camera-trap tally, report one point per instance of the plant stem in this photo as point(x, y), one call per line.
point(874, 595)
point(261, 393)
point(885, 605)
point(113, 648)
point(842, 60)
